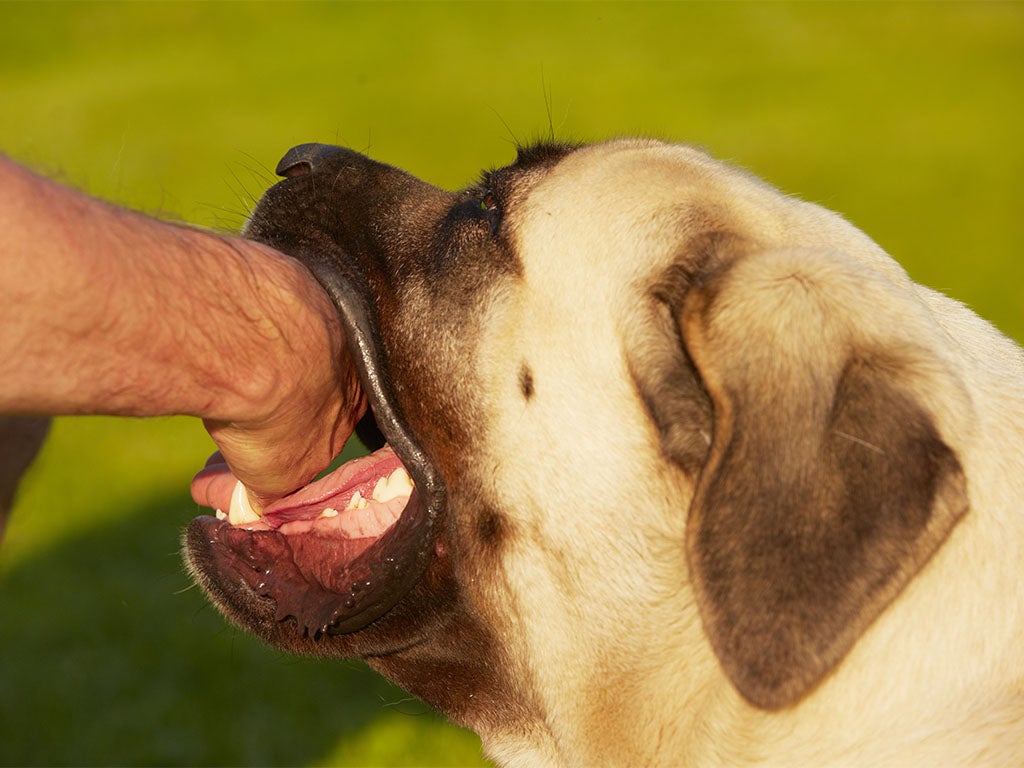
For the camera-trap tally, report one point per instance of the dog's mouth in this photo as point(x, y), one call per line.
point(340, 553)
point(333, 557)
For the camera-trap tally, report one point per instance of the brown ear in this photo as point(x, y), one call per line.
point(828, 484)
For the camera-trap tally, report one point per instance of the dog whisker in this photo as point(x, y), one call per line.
point(859, 441)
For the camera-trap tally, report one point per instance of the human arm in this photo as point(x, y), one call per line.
point(104, 310)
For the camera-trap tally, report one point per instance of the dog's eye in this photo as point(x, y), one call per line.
point(491, 210)
point(488, 202)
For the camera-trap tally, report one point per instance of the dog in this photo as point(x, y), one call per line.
point(696, 474)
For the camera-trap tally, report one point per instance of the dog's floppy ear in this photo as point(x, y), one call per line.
point(828, 483)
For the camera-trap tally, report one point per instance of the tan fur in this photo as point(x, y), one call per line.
point(613, 638)
point(723, 486)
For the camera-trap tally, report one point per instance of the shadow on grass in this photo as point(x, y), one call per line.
point(109, 657)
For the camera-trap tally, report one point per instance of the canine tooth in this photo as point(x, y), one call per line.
point(401, 479)
point(357, 501)
point(241, 511)
point(329, 512)
point(221, 515)
point(398, 483)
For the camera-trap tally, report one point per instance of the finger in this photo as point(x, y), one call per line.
point(212, 486)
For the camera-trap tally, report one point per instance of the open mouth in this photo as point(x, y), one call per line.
point(333, 557)
point(339, 554)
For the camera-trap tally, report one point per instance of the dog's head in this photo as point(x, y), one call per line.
point(661, 421)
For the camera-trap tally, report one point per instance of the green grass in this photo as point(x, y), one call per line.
point(905, 117)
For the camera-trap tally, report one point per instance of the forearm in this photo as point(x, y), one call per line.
point(103, 310)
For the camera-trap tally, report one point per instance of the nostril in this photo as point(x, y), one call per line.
point(295, 169)
point(303, 159)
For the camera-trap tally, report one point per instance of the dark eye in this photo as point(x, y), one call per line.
point(491, 210)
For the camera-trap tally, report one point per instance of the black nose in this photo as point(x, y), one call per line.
point(304, 158)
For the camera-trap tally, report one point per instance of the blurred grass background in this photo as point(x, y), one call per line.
point(906, 117)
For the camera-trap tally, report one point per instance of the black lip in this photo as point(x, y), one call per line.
point(399, 564)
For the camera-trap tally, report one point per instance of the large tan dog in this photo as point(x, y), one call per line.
point(701, 477)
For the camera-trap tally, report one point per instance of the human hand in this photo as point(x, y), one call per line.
point(302, 409)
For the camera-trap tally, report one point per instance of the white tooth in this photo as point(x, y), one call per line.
point(357, 501)
point(398, 483)
point(329, 512)
point(221, 515)
point(241, 511)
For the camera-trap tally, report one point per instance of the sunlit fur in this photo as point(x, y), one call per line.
point(722, 486)
point(595, 576)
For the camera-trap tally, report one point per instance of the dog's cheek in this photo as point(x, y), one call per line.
point(451, 632)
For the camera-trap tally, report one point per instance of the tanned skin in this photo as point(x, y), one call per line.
point(107, 311)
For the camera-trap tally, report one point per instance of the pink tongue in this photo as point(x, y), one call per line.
point(334, 490)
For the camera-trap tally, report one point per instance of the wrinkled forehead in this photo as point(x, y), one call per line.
point(615, 205)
